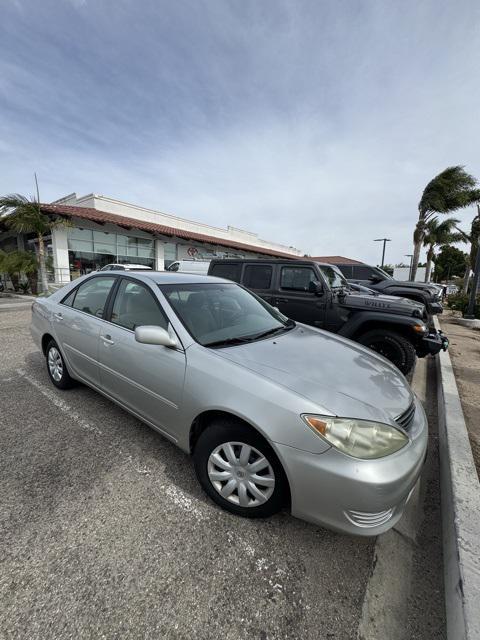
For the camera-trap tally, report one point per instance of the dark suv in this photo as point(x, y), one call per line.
point(378, 280)
point(317, 294)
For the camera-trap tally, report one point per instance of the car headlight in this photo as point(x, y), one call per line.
point(358, 438)
point(420, 328)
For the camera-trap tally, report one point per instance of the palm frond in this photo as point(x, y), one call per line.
point(450, 190)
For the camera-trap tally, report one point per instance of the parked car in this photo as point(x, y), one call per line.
point(380, 281)
point(189, 266)
point(274, 413)
point(125, 267)
point(318, 294)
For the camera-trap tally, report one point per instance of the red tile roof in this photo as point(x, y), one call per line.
point(335, 260)
point(102, 217)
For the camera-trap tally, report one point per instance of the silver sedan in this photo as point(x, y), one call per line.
point(275, 413)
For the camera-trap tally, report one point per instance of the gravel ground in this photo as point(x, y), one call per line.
point(465, 354)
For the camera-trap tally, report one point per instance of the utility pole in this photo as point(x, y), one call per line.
point(470, 315)
point(384, 240)
point(410, 255)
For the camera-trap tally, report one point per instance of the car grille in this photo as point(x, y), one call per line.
point(365, 519)
point(405, 419)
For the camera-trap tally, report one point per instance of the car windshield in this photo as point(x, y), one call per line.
point(219, 314)
point(333, 276)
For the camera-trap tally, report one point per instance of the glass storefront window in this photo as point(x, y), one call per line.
point(83, 262)
point(104, 242)
point(104, 247)
point(132, 246)
point(145, 248)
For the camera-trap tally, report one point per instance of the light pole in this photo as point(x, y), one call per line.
point(409, 255)
point(384, 240)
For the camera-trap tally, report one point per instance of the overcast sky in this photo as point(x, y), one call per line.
point(313, 123)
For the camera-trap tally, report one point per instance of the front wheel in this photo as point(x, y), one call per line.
point(239, 470)
point(391, 345)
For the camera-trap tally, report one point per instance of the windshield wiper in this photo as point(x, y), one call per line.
point(228, 341)
point(243, 339)
point(290, 324)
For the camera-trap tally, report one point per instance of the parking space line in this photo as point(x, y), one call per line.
point(60, 404)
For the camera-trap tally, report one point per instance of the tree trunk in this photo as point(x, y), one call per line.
point(418, 236)
point(466, 279)
point(417, 247)
point(428, 270)
point(42, 266)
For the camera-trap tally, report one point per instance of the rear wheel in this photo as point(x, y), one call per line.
point(239, 470)
point(56, 367)
point(391, 345)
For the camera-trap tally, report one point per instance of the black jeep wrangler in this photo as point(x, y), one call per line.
point(318, 294)
point(380, 281)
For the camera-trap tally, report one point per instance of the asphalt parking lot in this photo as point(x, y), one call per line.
point(106, 534)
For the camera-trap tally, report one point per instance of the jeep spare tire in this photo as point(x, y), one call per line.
point(391, 345)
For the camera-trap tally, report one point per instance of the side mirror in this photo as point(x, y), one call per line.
point(375, 278)
point(314, 286)
point(155, 335)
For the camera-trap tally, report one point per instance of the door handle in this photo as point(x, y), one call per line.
point(282, 300)
point(107, 339)
point(58, 316)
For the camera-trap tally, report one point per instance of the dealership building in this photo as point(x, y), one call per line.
point(104, 230)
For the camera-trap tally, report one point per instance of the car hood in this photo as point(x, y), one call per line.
point(382, 302)
point(340, 376)
point(407, 284)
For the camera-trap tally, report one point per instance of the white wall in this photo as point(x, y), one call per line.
point(402, 273)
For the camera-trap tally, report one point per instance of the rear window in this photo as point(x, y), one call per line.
point(257, 276)
point(227, 271)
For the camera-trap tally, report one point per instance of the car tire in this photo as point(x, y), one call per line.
point(259, 489)
point(57, 368)
point(393, 346)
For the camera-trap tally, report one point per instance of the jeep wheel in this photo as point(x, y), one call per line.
point(391, 345)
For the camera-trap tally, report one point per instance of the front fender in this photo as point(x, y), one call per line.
point(354, 325)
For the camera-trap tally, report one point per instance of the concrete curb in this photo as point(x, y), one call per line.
point(460, 493)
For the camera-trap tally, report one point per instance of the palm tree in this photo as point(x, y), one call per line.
point(474, 239)
point(24, 215)
point(452, 189)
point(439, 234)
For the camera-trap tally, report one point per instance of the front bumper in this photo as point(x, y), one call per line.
point(360, 497)
point(435, 308)
point(434, 342)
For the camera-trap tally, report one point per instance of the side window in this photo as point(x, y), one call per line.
point(227, 271)
point(135, 306)
point(363, 272)
point(92, 296)
point(347, 270)
point(257, 276)
point(68, 301)
point(297, 278)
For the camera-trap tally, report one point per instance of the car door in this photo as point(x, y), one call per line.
point(77, 322)
point(295, 300)
point(258, 278)
point(148, 379)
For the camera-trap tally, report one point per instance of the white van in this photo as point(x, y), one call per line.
point(190, 266)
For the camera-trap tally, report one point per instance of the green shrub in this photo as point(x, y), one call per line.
point(459, 302)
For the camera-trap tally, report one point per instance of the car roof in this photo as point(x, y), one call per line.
point(169, 277)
